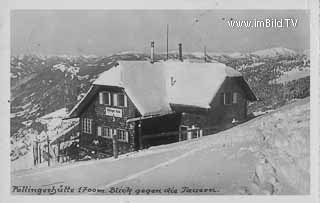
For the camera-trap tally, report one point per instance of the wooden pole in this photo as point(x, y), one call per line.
point(140, 135)
point(115, 145)
point(167, 41)
point(35, 153)
point(39, 150)
point(48, 148)
point(58, 151)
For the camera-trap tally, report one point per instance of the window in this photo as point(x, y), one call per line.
point(120, 100)
point(235, 98)
point(107, 132)
point(229, 98)
point(105, 98)
point(87, 125)
point(226, 98)
point(123, 135)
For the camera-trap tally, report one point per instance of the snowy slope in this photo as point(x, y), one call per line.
point(274, 52)
point(55, 127)
point(266, 155)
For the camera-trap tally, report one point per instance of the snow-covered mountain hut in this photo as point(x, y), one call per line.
point(148, 103)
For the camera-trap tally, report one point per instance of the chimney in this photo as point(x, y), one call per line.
point(152, 52)
point(180, 52)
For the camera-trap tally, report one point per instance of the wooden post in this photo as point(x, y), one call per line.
point(115, 145)
point(58, 151)
point(140, 135)
point(180, 133)
point(48, 142)
point(40, 155)
point(35, 152)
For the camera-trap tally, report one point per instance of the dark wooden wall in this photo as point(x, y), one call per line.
point(220, 115)
point(97, 112)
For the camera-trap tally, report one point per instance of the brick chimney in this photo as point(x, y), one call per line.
point(152, 52)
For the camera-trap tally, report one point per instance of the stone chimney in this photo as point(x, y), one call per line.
point(152, 52)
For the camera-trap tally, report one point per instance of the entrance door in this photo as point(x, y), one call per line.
point(184, 133)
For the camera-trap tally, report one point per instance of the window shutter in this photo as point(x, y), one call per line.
point(127, 136)
point(235, 98)
point(115, 100)
point(100, 97)
point(90, 125)
point(99, 131)
point(109, 96)
point(125, 101)
point(109, 133)
point(222, 98)
point(83, 126)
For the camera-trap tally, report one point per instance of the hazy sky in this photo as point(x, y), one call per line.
point(104, 32)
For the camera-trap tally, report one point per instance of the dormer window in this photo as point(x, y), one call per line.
point(105, 98)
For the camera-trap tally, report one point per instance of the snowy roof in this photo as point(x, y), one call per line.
point(153, 87)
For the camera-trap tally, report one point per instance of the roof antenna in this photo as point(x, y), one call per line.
point(205, 54)
point(152, 52)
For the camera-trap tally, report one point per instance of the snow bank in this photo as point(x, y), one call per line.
point(283, 152)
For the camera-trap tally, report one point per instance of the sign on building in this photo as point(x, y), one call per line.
point(114, 112)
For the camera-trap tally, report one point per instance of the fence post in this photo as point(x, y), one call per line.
point(40, 154)
point(115, 146)
point(35, 153)
point(58, 151)
point(48, 142)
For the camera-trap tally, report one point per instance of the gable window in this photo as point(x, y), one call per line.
point(105, 98)
point(235, 98)
point(226, 98)
point(87, 125)
point(120, 100)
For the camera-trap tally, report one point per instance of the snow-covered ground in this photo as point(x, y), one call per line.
point(294, 74)
point(266, 155)
point(67, 69)
point(56, 127)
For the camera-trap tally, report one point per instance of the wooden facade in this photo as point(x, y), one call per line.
point(96, 112)
point(168, 104)
point(228, 105)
